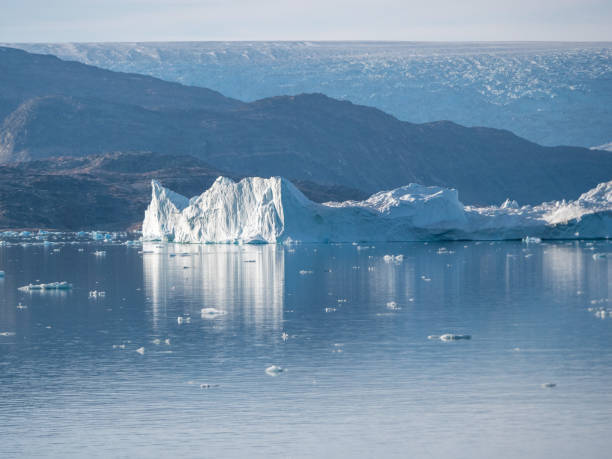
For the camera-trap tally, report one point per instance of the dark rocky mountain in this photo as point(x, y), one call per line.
point(56, 108)
point(108, 191)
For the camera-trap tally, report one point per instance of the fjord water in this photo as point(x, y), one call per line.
point(362, 379)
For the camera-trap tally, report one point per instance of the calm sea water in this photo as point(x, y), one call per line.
point(362, 378)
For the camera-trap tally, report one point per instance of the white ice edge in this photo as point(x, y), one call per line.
point(273, 210)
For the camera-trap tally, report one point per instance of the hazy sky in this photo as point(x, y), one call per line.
point(438, 20)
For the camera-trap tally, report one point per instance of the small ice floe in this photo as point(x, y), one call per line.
point(531, 240)
point(600, 301)
point(120, 346)
point(393, 258)
point(355, 267)
point(330, 309)
point(141, 350)
point(167, 341)
point(548, 385)
point(275, 370)
point(80, 249)
point(426, 279)
point(341, 300)
point(285, 336)
point(303, 272)
point(211, 313)
point(599, 256)
point(449, 337)
point(97, 294)
point(156, 341)
point(601, 312)
point(393, 306)
point(21, 306)
point(6, 333)
point(100, 253)
point(208, 386)
point(444, 251)
point(183, 320)
point(50, 286)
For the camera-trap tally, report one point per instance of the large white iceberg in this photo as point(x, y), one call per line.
point(273, 210)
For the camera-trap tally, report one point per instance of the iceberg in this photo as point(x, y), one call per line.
point(273, 210)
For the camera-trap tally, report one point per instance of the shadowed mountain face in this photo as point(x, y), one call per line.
point(51, 107)
point(107, 191)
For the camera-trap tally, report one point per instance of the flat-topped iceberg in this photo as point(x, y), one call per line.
point(273, 210)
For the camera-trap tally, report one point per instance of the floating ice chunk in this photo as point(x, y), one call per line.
point(21, 306)
point(392, 305)
point(451, 337)
point(167, 341)
point(330, 309)
point(97, 294)
point(50, 286)
point(100, 253)
point(393, 258)
point(6, 333)
point(211, 313)
point(305, 271)
point(119, 346)
point(156, 341)
point(96, 236)
point(602, 313)
point(509, 204)
point(183, 320)
point(598, 256)
point(141, 350)
point(426, 279)
point(549, 385)
point(285, 336)
point(531, 240)
point(208, 386)
point(275, 370)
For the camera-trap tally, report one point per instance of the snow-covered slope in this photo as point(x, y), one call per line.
point(259, 210)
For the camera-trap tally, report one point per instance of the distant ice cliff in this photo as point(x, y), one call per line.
point(273, 210)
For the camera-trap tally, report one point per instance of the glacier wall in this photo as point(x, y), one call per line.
point(273, 210)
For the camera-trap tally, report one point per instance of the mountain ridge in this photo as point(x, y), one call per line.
point(309, 137)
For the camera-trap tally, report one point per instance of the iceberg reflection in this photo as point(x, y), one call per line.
point(246, 280)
